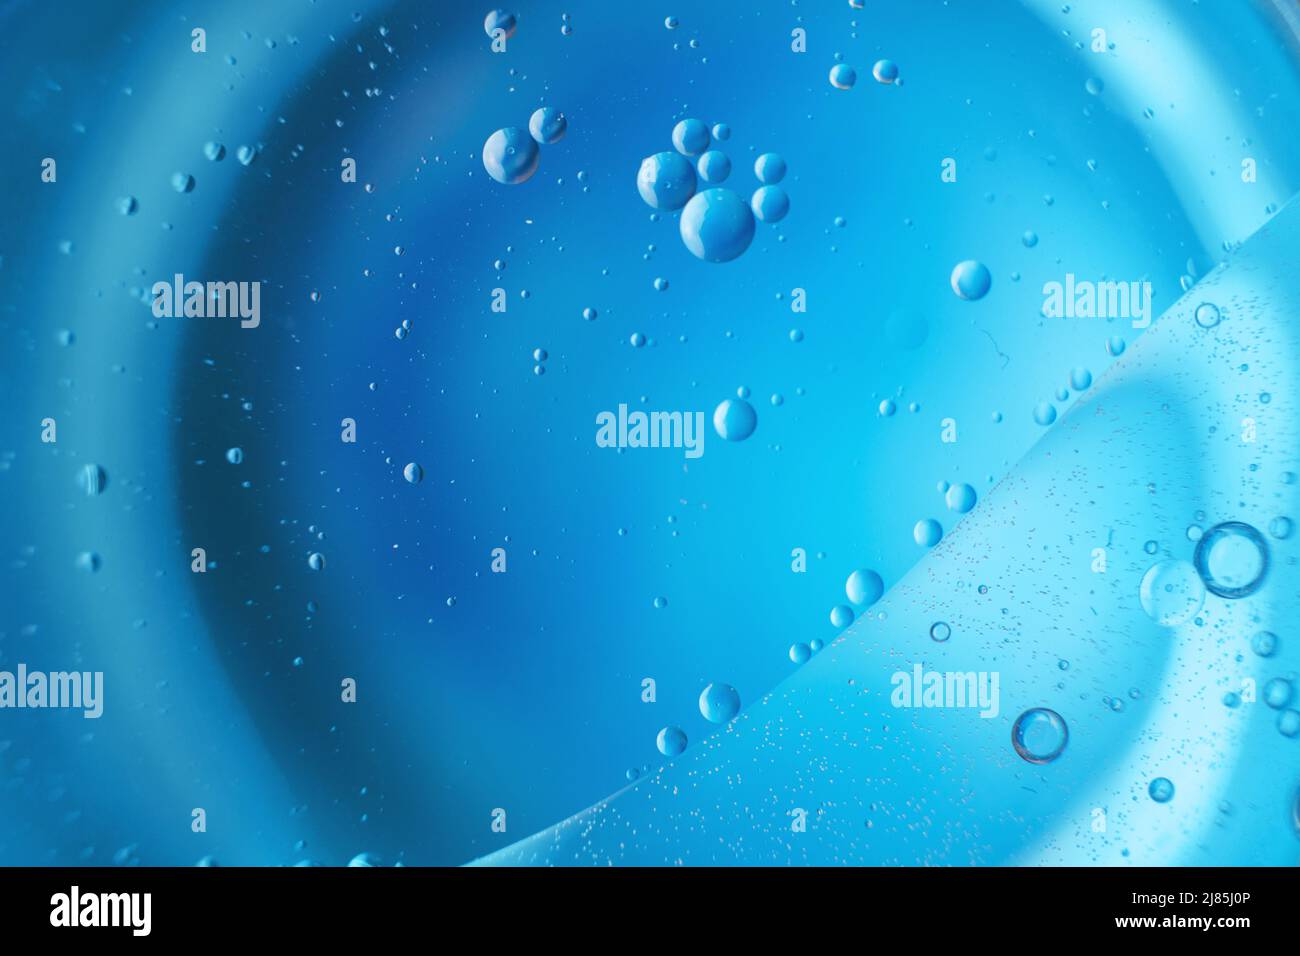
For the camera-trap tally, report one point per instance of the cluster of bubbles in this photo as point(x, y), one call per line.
point(843, 76)
point(716, 224)
point(801, 653)
point(1080, 381)
point(511, 155)
point(1231, 561)
point(719, 704)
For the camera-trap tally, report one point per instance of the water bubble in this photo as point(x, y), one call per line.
point(1171, 592)
point(713, 166)
point(719, 703)
point(1030, 239)
point(1044, 413)
point(666, 180)
point(93, 479)
point(671, 741)
point(214, 151)
point(637, 340)
point(1281, 527)
point(770, 203)
point(769, 168)
point(1039, 735)
point(841, 616)
point(1207, 315)
point(660, 602)
point(735, 419)
point(128, 205)
point(816, 644)
point(510, 156)
point(960, 498)
point(843, 76)
point(1232, 559)
point(660, 284)
point(182, 182)
point(864, 587)
point(547, 125)
point(89, 561)
point(927, 532)
point(1094, 85)
point(1264, 643)
point(799, 653)
point(885, 71)
point(691, 137)
point(940, 631)
point(413, 473)
point(500, 20)
point(1278, 692)
point(246, 155)
point(1115, 345)
point(316, 561)
point(1161, 790)
point(1151, 547)
point(589, 314)
point(1288, 723)
point(970, 280)
point(1080, 379)
point(886, 408)
point(671, 23)
point(235, 455)
point(717, 225)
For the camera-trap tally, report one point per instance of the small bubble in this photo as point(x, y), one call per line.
point(1161, 790)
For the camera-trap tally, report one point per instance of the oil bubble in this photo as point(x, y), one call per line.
point(1039, 735)
point(719, 703)
point(1171, 592)
point(510, 155)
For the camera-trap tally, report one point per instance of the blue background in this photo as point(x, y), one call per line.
point(524, 692)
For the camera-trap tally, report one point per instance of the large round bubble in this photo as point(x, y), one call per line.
point(864, 587)
point(666, 180)
point(770, 203)
point(1171, 592)
point(714, 166)
point(971, 280)
point(691, 137)
point(717, 225)
point(510, 155)
point(735, 419)
point(1039, 735)
point(719, 703)
point(547, 125)
point(500, 20)
point(769, 168)
point(671, 741)
point(1232, 559)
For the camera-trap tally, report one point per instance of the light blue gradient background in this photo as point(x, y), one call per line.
point(526, 693)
